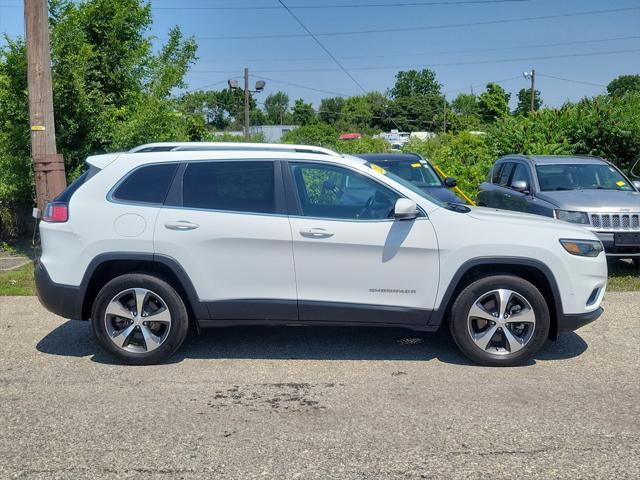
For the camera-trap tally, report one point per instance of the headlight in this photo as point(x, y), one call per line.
point(583, 248)
point(573, 217)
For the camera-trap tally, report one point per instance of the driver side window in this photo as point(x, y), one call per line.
point(326, 191)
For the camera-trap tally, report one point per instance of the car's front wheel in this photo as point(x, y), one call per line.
point(140, 319)
point(500, 320)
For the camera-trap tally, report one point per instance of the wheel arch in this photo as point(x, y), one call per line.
point(108, 266)
point(534, 271)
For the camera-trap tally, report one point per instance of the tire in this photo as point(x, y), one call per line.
point(144, 337)
point(510, 340)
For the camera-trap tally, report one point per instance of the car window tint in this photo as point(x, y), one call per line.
point(233, 186)
point(334, 192)
point(147, 184)
point(505, 173)
point(521, 173)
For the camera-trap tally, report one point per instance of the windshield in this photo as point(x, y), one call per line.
point(581, 177)
point(417, 172)
point(407, 184)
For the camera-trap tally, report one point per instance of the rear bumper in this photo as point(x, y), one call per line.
point(571, 322)
point(63, 300)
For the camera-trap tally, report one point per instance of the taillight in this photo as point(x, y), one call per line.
point(56, 212)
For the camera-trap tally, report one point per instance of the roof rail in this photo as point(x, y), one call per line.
point(230, 146)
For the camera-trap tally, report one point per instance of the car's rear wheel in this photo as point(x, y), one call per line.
point(500, 320)
point(140, 319)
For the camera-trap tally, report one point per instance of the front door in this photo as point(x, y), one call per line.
point(354, 262)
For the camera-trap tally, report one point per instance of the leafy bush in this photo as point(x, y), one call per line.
point(464, 156)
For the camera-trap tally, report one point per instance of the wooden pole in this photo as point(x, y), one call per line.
point(48, 166)
point(533, 90)
point(247, 135)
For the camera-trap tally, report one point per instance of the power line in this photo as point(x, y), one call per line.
point(421, 28)
point(571, 81)
point(326, 50)
point(210, 85)
point(442, 64)
point(504, 80)
point(304, 87)
point(348, 5)
point(423, 54)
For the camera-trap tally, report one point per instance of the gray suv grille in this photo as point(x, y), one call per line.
point(616, 221)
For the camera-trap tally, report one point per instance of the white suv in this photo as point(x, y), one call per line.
point(149, 241)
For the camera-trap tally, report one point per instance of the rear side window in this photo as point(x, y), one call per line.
point(68, 192)
point(237, 186)
point(148, 184)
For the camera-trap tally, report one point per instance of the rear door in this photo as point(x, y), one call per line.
point(225, 223)
point(354, 262)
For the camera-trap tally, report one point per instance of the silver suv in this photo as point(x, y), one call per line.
point(588, 191)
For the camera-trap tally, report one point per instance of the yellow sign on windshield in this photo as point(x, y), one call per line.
point(378, 169)
point(620, 183)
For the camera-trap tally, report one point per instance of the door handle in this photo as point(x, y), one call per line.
point(316, 233)
point(181, 225)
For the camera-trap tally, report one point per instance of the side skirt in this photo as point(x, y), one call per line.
point(269, 312)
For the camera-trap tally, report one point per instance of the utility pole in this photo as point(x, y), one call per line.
point(444, 123)
point(533, 90)
point(233, 85)
point(532, 76)
point(48, 166)
point(246, 104)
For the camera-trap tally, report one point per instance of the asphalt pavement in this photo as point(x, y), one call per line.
point(317, 403)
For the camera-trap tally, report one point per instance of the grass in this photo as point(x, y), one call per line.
point(623, 277)
point(18, 282)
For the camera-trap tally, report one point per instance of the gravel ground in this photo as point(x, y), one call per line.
point(311, 403)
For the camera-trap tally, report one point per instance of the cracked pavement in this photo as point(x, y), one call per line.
point(317, 403)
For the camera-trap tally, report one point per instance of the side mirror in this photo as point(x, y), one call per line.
point(520, 186)
point(450, 182)
point(636, 183)
point(405, 209)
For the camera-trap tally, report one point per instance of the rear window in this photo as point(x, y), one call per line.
point(148, 184)
point(237, 186)
point(68, 192)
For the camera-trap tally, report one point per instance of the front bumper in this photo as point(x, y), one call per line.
point(63, 300)
point(571, 322)
point(610, 248)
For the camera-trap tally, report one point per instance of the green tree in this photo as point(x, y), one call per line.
point(319, 134)
point(416, 113)
point(330, 110)
point(413, 82)
point(303, 113)
point(494, 103)
point(524, 102)
point(466, 104)
point(624, 84)
point(276, 107)
point(111, 89)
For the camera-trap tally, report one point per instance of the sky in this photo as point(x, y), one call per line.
point(467, 43)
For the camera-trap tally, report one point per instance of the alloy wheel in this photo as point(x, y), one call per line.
point(501, 322)
point(137, 320)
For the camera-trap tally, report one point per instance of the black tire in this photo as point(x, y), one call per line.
point(460, 329)
point(174, 304)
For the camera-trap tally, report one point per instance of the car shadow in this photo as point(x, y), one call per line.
point(74, 339)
